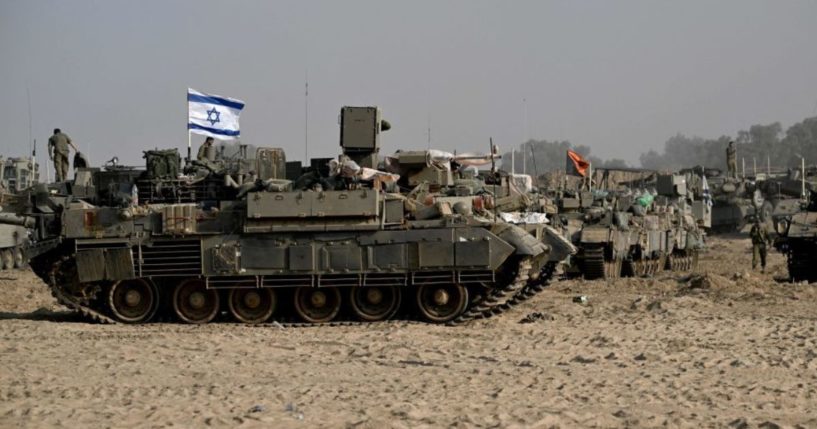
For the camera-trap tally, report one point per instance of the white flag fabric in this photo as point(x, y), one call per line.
point(707, 196)
point(213, 115)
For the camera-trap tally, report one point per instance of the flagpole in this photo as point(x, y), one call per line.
point(189, 134)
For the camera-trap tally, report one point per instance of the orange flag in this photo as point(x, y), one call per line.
point(576, 164)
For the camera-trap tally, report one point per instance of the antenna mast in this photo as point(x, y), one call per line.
point(494, 173)
point(306, 116)
point(35, 174)
point(429, 131)
point(28, 96)
point(525, 137)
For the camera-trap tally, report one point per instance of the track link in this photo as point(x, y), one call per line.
point(593, 265)
point(529, 288)
point(72, 302)
point(498, 296)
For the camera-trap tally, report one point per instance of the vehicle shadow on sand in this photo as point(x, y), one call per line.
point(42, 314)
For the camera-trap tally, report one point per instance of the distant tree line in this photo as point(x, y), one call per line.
point(759, 143)
point(539, 156)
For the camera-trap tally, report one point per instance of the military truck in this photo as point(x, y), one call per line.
point(133, 245)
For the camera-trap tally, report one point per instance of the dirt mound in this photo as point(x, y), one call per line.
point(705, 282)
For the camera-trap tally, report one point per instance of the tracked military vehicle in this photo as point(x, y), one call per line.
point(441, 181)
point(797, 239)
point(733, 200)
point(233, 236)
point(17, 174)
point(675, 226)
point(633, 233)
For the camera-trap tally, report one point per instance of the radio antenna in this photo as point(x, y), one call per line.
point(494, 173)
point(28, 97)
point(533, 158)
point(306, 116)
point(429, 131)
point(525, 137)
point(35, 174)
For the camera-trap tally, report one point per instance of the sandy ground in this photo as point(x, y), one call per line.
point(726, 348)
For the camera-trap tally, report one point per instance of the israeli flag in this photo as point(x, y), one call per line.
point(707, 196)
point(213, 115)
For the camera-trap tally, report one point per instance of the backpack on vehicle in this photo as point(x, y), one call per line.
point(163, 164)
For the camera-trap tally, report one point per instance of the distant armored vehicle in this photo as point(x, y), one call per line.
point(797, 239)
point(633, 233)
point(17, 175)
point(234, 235)
point(733, 203)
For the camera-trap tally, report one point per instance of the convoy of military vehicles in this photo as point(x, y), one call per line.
point(418, 234)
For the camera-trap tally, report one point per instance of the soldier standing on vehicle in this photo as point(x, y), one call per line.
point(760, 237)
point(732, 159)
point(58, 151)
point(202, 155)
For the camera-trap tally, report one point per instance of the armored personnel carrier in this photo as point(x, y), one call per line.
point(234, 236)
point(797, 239)
point(633, 233)
point(17, 174)
point(682, 220)
point(585, 222)
point(733, 200)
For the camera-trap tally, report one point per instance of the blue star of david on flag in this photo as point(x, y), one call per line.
point(213, 115)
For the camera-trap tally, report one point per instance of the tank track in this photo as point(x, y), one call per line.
point(528, 290)
point(531, 289)
point(593, 266)
point(800, 267)
point(647, 267)
point(520, 289)
point(72, 302)
point(678, 263)
point(612, 269)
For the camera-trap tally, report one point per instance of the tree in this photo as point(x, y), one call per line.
point(756, 144)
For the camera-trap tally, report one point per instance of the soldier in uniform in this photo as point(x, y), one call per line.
point(760, 237)
point(732, 159)
point(58, 151)
point(202, 155)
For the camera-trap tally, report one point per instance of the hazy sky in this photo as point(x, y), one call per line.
point(618, 76)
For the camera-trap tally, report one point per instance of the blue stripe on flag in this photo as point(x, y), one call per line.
point(223, 132)
point(209, 99)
